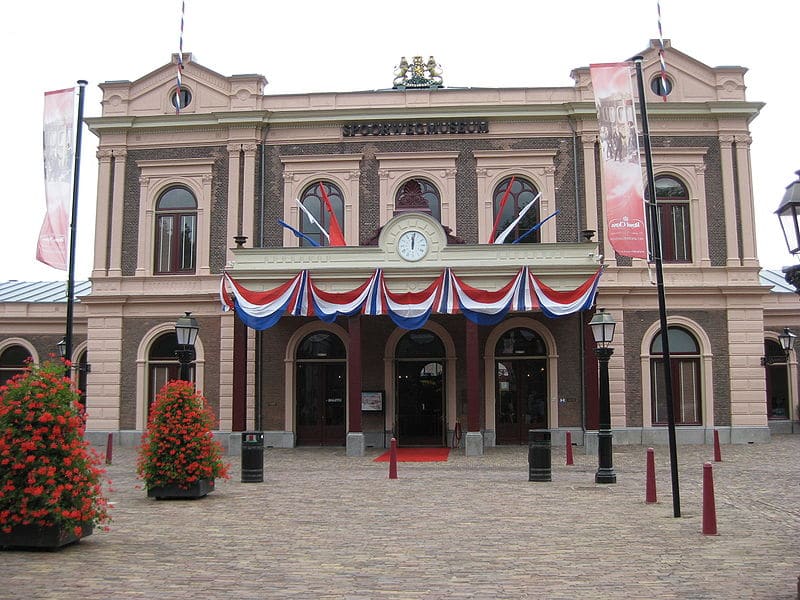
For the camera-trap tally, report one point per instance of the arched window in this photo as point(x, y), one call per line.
point(777, 380)
point(522, 193)
point(313, 201)
point(81, 374)
point(419, 195)
point(163, 364)
point(684, 354)
point(321, 345)
point(13, 360)
point(672, 201)
point(176, 231)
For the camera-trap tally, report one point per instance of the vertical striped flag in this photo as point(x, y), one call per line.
point(180, 62)
point(661, 55)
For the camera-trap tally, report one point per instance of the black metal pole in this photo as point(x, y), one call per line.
point(605, 469)
point(74, 223)
point(655, 236)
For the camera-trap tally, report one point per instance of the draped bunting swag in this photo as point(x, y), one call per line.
point(447, 294)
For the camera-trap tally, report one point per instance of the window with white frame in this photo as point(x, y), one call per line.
point(176, 232)
point(313, 201)
point(517, 197)
point(684, 354)
point(672, 203)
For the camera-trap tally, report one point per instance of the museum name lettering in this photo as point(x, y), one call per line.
point(425, 128)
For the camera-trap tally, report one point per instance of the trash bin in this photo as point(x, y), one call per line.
point(539, 455)
point(252, 456)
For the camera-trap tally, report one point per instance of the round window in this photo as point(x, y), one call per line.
point(661, 86)
point(185, 98)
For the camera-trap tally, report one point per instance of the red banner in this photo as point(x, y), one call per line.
point(623, 187)
point(59, 157)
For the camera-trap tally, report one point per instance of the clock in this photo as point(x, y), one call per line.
point(412, 245)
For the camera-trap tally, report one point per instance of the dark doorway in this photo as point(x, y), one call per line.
point(420, 409)
point(420, 390)
point(320, 404)
point(321, 391)
point(521, 399)
point(520, 386)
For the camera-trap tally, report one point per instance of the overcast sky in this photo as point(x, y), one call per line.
point(346, 45)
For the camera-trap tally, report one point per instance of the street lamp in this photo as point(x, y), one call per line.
point(788, 215)
point(186, 329)
point(62, 347)
point(602, 325)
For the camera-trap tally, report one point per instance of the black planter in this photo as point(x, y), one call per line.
point(36, 537)
point(196, 489)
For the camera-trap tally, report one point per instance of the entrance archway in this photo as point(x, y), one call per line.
point(420, 389)
point(521, 387)
point(321, 390)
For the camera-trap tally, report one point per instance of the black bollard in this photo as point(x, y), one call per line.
point(539, 463)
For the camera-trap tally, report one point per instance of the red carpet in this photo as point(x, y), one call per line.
point(417, 455)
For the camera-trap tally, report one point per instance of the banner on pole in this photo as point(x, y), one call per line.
point(59, 155)
point(623, 188)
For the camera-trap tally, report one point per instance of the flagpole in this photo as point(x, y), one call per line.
point(655, 235)
point(74, 222)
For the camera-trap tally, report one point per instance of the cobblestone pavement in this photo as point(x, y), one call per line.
point(323, 525)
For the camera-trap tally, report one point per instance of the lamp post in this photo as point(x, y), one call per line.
point(787, 213)
point(186, 329)
point(62, 347)
point(602, 325)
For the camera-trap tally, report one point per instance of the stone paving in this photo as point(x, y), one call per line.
point(323, 525)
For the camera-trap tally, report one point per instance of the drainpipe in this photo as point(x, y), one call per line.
point(575, 176)
point(581, 332)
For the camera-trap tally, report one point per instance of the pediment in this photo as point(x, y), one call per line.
point(210, 91)
point(694, 81)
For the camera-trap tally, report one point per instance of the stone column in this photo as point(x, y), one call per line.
point(474, 437)
point(117, 212)
point(102, 216)
point(355, 434)
point(239, 409)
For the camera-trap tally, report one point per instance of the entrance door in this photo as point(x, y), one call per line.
point(521, 399)
point(321, 404)
point(420, 403)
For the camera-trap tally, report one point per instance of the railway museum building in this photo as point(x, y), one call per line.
point(419, 328)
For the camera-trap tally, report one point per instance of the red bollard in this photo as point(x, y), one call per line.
point(709, 508)
point(393, 459)
point(717, 453)
point(109, 448)
point(569, 449)
point(650, 487)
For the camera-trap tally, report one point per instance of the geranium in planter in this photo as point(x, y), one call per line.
point(179, 457)
point(50, 478)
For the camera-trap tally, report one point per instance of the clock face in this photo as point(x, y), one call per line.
point(412, 245)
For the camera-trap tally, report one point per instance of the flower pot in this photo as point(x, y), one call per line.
point(196, 489)
point(38, 537)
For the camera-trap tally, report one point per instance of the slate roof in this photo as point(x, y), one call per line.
point(776, 280)
point(41, 291)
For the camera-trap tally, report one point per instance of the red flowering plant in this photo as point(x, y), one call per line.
point(178, 446)
point(49, 475)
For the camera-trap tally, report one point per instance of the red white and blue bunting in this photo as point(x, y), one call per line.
point(447, 294)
